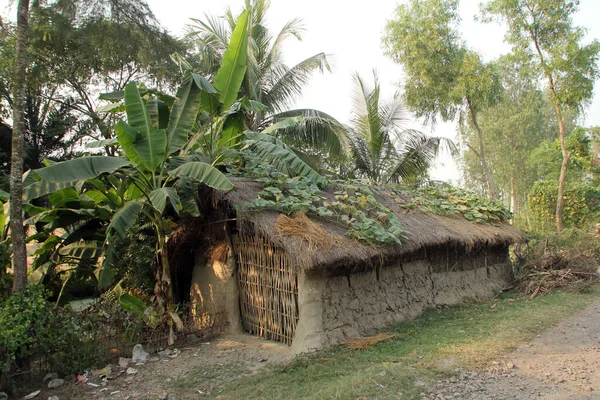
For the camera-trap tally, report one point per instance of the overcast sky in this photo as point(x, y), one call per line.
point(351, 35)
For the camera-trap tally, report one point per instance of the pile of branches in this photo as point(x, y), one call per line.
point(567, 269)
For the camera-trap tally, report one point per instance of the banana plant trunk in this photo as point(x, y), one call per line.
point(163, 289)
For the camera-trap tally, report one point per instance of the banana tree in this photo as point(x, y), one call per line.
point(72, 230)
point(152, 171)
point(156, 170)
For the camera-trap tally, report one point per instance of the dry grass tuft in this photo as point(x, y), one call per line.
point(363, 343)
point(311, 232)
point(219, 252)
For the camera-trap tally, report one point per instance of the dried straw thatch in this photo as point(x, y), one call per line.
point(424, 232)
point(312, 233)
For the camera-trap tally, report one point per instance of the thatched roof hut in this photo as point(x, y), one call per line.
point(423, 231)
point(324, 280)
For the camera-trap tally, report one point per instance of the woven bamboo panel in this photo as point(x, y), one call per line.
point(268, 289)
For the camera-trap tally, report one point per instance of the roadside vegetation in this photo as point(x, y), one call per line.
point(420, 351)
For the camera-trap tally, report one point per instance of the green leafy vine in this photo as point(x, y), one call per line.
point(454, 201)
point(353, 205)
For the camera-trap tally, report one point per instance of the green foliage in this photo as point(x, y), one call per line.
point(353, 205)
point(367, 220)
point(454, 201)
point(230, 76)
point(582, 204)
point(546, 159)
point(511, 130)
point(138, 307)
point(267, 80)
point(31, 327)
point(143, 182)
point(443, 77)
point(383, 149)
point(542, 32)
point(76, 49)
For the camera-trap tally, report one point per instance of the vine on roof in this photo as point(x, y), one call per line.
point(454, 201)
point(353, 205)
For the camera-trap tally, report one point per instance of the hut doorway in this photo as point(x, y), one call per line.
point(268, 288)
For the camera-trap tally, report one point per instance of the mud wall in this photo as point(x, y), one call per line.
point(355, 304)
point(214, 298)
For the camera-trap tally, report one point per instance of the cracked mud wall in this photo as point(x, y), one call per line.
point(355, 304)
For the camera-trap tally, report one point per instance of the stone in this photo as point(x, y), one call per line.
point(138, 354)
point(165, 353)
point(50, 376)
point(56, 383)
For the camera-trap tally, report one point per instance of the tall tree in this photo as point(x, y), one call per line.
point(268, 80)
point(543, 31)
point(443, 77)
point(77, 49)
point(384, 149)
point(17, 230)
point(512, 128)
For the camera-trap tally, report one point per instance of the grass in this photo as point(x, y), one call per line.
point(467, 336)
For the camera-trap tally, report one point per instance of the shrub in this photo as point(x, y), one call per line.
point(581, 205)
point(34, 330)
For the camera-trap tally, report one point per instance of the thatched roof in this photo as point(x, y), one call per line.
point(423, 231)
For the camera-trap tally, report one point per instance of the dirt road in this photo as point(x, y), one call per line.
point(561, 364)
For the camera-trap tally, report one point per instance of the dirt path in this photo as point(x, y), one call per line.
point(190, 373)
point(561, 364)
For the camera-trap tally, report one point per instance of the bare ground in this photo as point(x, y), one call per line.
point(562, 363)
point(190, 373)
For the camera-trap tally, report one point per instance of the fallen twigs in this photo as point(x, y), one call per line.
point(565, 269)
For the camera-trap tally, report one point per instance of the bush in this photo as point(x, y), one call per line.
point(581, 205)
point(34, 331)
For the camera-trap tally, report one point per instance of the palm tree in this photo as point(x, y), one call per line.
point(269, 81)
point(383, 149)
point(17, 231)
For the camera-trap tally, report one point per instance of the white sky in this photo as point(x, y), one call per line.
point(351, 35)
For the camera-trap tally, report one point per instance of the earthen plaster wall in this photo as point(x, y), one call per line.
point(351, 305)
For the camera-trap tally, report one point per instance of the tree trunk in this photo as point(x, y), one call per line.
point(513, 199)
point(163, 289)
point(563, 171)
point(481, 153)
point(17, 231)
point(561, 137)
